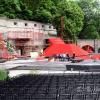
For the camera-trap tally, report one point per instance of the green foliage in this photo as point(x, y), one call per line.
point(14, 9)
point(32, 4)
point(42, 15)
point(9, 47)
point(91, 28)
point(43, 12)
point(90, 32)
point(3, 74)
point(73, 18)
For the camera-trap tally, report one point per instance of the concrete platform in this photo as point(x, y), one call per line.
point(41, 65)
point(31, 64)
point(44, 67)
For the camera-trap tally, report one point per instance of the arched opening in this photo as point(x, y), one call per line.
point(88, 48)
point(99, 50)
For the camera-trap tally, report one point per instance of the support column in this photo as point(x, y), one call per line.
point(96, 45)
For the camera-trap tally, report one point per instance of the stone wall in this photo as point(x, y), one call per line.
point(93, 43)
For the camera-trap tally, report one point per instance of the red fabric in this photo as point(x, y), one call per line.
point(72, 48)
point(89, 51)
point(54, 49)
point(83, 57)
point(64, 48)
point(96, 56)
point(56, 41)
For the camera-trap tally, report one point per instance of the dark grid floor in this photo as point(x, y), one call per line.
point(51, 87)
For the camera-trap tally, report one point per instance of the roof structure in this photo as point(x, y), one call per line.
point(57, 46)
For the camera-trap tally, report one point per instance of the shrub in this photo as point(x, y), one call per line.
point(3, 74)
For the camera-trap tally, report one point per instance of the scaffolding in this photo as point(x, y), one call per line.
point(30, 42)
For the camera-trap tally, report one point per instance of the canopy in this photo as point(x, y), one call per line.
point(72, 48)
point(56, 41)
point(54, 49)
point(96, 56)
point(64, 48)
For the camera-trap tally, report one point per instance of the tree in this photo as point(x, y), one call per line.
point(32, 4)
point(42, 15)
point(43, 12)
point(14, 9)
point(91, 28)
point(73, 18)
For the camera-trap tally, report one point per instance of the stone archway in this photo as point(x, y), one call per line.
point(88, 48)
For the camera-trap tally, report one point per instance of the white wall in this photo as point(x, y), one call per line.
point(8, 25)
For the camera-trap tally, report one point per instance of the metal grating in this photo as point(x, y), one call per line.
point(51, 87)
